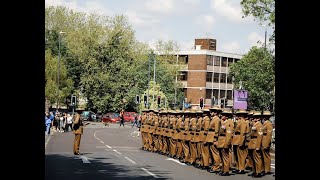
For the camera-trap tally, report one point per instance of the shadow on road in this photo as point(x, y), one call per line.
point(69, 167)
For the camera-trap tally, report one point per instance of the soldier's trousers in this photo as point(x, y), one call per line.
point(76, 144)
point(186, 150)
point(257, 160)
point(173, 146)
point(242, 153)
point(199, 156)
point(150, 142)
point(179, 148)
point(235, 155)
point(266, 159)
point(193, 151)
point(160, 143)
point(155, 142)
point(225, 156)
point(143, 139)
point(205, 154)
point(216, 157)
point(165, 144)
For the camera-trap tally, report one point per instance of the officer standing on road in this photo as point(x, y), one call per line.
point(77, 131)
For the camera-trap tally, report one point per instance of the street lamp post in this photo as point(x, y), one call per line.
point(175, 89)
point(59, 56)
point(154, 73)
point(148, 82)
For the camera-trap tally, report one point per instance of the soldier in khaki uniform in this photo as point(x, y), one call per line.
point(173, 139)
point(155, 124)
point(77, 131)
point(143, 128)
point(224, 141)
point(150, 130)
point(240, 150)
point(193, 141)
point(254, 145)
point(160, 130)
point(249, 119)
point(186, 137)
point(165, 124)
point(205, 156)
point(197, 138)
point(266, 141)
point(212, 137)
point(179, 135)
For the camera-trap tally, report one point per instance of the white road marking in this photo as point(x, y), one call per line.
point(94, 134)
point(130, 160)
point(117, 151)
point(102, 142)
point(124, 147)
point(84, 159)
point(109, 147)
point(45, 145)
point(176, 161)
point(155, 176)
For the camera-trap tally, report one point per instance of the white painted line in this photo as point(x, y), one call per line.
point(155, 176)
point(130, 160)
point(124, 147)
point(109, 147)
point(84, 159)
point(94, 134)
point(102, 142)
point(45, 145)
point(170, 159)
point(117, 151)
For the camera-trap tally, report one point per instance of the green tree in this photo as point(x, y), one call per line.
point(256, 71)
point(263, 10)
point(51, 79)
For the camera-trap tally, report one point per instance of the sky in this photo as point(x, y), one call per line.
point(181, 21)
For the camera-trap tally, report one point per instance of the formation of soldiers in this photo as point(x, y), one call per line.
point(212, 139)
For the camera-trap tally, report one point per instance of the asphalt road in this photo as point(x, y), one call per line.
point(113, 153)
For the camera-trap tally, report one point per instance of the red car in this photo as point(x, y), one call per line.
point(129, 116)
point(110, 117)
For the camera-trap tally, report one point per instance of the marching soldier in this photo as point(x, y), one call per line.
point(155, 124)
point(224, 141)
point(161, 130)
point(254, 145)
point(238, 141)
point(266, 141)
point(249, 119)
point(186, 137)
point(212, 137)
point(178, 135)
point(198, 138)
point(150, 130)
point(173, 139)
point(193, 140)
point(203, 135)
point(142, 128)
point(165, 133)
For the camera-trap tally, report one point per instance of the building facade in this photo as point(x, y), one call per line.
point(204, 74)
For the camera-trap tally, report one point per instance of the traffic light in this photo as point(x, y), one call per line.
point(137, 99)
point(73, 100)
point(158, 100)
point(201, 103)
point(145, 98)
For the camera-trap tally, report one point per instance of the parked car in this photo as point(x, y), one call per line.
point(129, 116)
point(110, 117)
point(99, 116)
point(86, 116)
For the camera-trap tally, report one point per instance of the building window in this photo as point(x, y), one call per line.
point(215, 93)
point(183, 76)
point(223, 78)
point(222, 94)
point(229, 80)
point(183, 59)
point(209, 77)
point(224, 62)
point(229, 94)
point(230, 61)
point(208, 93)
point(209, 60)
point(216, 60)
point(216, 77)
point(236, 60)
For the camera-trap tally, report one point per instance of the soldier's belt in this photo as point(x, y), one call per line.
point(190, 129)
point(171, 127)
point(185, 133)
point(192, 133)
point(253, 137)
point(205, 133)
point(237, 133)
point(197, 133)
point(264, 133)
point(197, 130)
point(222, 135)
point(179, 140)
point(152, 125)
point(211, 130)
point(202, 129)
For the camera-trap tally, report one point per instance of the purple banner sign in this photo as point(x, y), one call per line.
point(240, 99)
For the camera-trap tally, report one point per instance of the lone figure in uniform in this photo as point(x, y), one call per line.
point(77, 131)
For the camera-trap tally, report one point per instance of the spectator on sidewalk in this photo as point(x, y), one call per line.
point(121, 118)
point(135, 122)
point(69, 121)
point(48, 123)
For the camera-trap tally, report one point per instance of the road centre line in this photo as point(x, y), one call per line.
point(155, 176)
point(117, 151)
point(84, 159)
point(171, 159)
point(109, 147)
point(130, 160)
point(46, 143)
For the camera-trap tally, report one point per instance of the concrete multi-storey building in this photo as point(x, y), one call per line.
point(204, 73)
